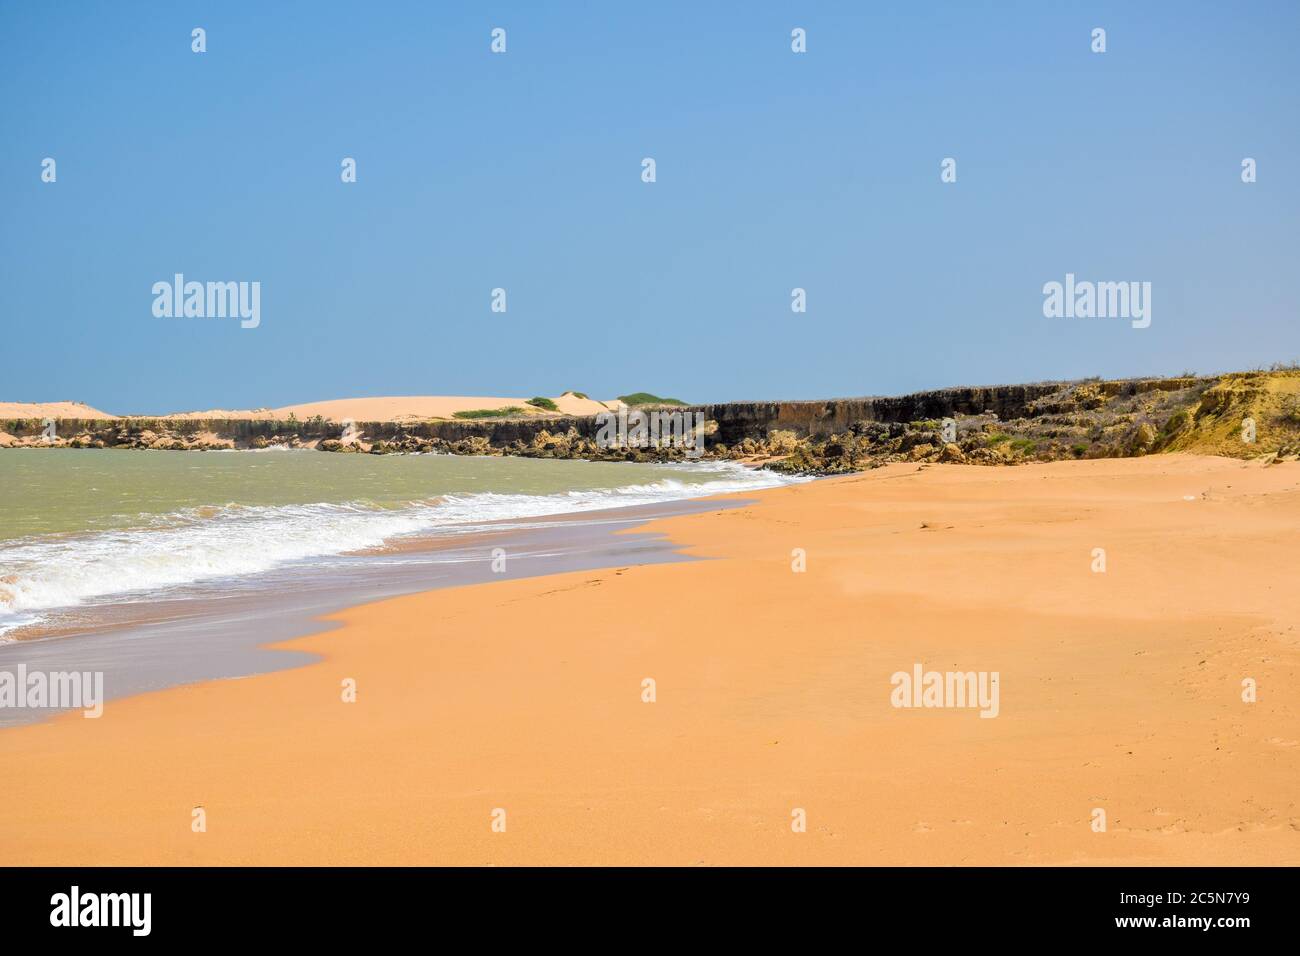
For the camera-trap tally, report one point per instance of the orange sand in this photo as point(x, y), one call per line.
point(1119, 690)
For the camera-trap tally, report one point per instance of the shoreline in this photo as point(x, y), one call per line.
point(1120, 691)
point(184, 638)
point(74, 560)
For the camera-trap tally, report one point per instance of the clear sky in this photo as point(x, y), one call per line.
point(522, 170)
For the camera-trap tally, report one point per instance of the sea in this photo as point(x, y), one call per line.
point(83, 528)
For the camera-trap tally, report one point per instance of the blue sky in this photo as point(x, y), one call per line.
point(523, 171)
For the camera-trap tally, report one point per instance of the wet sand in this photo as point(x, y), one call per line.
point(1121, 691)
point(222, 629)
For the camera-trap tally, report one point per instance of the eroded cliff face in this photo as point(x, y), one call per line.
point(167, 434)
point(756, 420)
point(736, 421)
point(1004, 424)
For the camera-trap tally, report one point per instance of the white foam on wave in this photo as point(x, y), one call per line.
point(236, 541)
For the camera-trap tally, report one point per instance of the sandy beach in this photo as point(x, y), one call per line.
point(1120, 690)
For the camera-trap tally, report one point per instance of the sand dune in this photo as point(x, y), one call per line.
point(404, 408)
point(397, 408)
point(44, 410)
point(1120, 691)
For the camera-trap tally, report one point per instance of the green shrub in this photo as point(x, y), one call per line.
point(545, 403)
point(1177, 422)
point(646, 398)
point(490, 412)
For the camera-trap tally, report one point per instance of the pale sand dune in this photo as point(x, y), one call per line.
point(1119, 691)
point(49, 410)
point(397, 408)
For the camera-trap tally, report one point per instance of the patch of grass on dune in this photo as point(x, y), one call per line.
point(646, 398)
point(491, 412)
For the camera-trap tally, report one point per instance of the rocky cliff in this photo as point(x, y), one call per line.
point(755, 420)
point(1242, 414)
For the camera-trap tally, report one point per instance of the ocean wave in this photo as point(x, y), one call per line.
point(238, 541)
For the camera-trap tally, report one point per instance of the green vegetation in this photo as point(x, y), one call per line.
point(646, 398)
point(1027, 445)
point(491, 412)
point(1290, 413)
point(1177, 422)
point(997, 438)
point(545, 403)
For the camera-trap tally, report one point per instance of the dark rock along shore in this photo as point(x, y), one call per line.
point(1005, 424)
